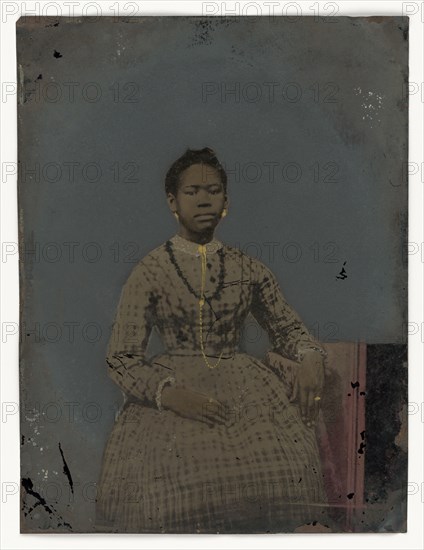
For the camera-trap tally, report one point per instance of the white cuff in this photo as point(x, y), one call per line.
point(161, 385)
point(301, 353)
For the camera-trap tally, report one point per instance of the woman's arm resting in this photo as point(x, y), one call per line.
point(134, 322)
point(290, 338)
point(287, 333)
point(309, 386)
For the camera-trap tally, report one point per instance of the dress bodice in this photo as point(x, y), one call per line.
point(229, 283)
point(163, 290)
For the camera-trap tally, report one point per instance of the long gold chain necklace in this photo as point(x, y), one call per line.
point(202, 250)
point(201, 298)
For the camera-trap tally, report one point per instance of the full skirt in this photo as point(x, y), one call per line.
point(260, 472)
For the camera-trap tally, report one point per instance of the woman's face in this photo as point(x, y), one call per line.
point(200, 199)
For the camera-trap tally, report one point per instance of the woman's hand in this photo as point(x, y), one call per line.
point(193, 405)
point(309, 386)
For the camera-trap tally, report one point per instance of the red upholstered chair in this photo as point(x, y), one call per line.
point(341, 426)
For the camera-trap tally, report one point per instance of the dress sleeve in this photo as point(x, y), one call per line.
point(289, 337)
point(134, 322)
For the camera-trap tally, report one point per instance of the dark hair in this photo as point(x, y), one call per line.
point(190, 157)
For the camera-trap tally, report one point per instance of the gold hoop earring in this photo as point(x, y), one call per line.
point(176, 216)
point(224, 213)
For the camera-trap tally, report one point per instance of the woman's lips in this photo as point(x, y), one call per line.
point(205, 216)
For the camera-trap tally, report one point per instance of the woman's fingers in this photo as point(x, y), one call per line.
point(221, 414)
point(317, 405)
point(308, 405)
point(213, 411)
point(218, 417)
point(295, 390)
point(310, 383)
point(312, 404)
point(303, 402)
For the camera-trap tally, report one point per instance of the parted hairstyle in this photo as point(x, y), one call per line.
point(193, 156)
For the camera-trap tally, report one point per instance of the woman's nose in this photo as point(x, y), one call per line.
point(203, 198)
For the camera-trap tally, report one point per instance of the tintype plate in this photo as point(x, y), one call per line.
point(213, 277)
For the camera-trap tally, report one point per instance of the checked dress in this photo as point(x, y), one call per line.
point(258, 472)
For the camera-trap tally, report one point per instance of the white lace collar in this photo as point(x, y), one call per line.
point(193, 248)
